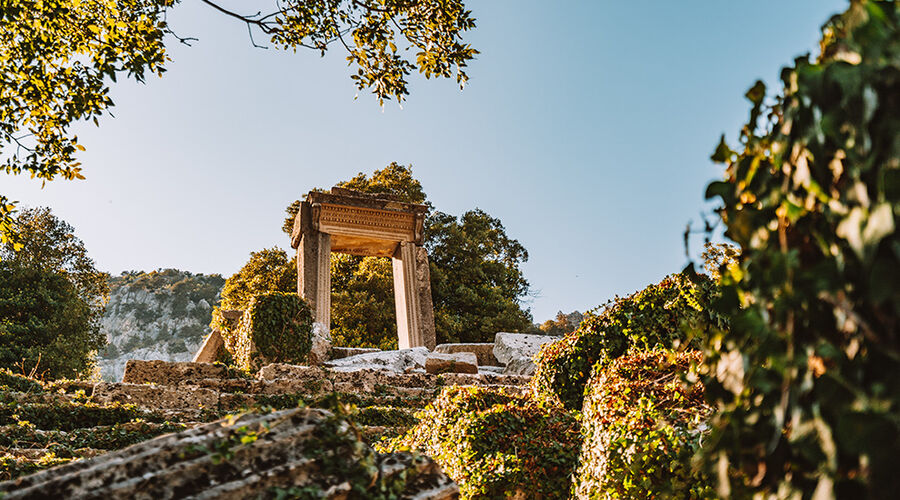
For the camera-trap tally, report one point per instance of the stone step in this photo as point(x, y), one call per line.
point(301, 448)
point(308, 379)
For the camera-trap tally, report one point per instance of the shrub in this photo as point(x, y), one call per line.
point(641, 428)
point(275, 328)
point(807, 379)
point(659, 315)
point(18, 383)
point(494, 444)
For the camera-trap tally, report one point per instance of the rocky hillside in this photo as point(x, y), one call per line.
point(162, 315)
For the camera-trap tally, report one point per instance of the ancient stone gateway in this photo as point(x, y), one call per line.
point(347, 221)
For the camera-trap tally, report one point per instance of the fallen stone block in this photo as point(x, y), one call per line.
point(509, 346)
point(346, 352)
point(251, 457)
point(402, 361)
point(484, 351)
point(520, 366)
point(460, 362)
point(170, 372)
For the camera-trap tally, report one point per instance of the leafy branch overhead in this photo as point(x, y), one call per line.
point(57, 59)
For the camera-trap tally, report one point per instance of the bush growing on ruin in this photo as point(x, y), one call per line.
point(276, 327)
point(642, 424)
point(807, 378)
point(495, 444)
point(671, 312)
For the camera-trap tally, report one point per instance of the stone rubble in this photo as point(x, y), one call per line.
point(484, 351)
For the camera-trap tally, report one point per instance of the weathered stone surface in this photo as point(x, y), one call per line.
point(209, 350)
point(346, 352)
point(520, 366)
point(170, 373)
point(509, 346)
point(460, 362)
point(490, 369)
point(248, 458)
point(320, 350)
point(402, 361)
point(156, 396)
point(484, 351)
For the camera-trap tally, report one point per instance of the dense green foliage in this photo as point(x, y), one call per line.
point(275, 328)
point(641, 428)
point(666, 314)
point(51, 300)
point(476, 284)
point(10, 381)
point(268, 270)
point(808, 379)
point(57, 59)
point(495, 444)
point(562, 324)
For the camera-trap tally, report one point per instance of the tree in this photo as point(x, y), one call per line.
point(57, 59)
point(806, 382)
point(476, 282)
point(51, 299)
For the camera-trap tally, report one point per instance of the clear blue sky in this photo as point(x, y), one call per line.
point(586, 128)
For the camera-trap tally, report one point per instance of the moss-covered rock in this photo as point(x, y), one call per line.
point(642, 426)
point(496, 444)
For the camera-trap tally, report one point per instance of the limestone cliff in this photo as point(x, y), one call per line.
point(161, 315)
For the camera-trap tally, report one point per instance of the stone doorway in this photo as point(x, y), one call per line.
point(355, 223)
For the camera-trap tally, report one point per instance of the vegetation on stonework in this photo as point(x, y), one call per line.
point(12, 467)
point(495, 444)
point(96, 42)
point(806, 380)
point(673, 312)
point(275, 328)
point(51, 300)
point(10, 381)
point(642, 423)
point(268, 270)
point(68, 415)
point(66, 444)
point(477, 285)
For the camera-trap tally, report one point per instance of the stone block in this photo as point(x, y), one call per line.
point(156, 396)
point(484, 351)
point(460, 362)
point(169, 372)
point(346, 352)
point(295, 448)
point(509, 346)
point(520, 366)
point(402, 361)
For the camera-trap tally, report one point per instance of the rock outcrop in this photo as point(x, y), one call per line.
point(158, 315)
point(256, 456)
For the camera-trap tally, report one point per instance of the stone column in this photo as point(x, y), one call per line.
point(314, 274)
point(406, 300)
point(426, 305)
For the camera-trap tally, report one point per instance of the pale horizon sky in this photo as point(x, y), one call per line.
point(586, 128)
